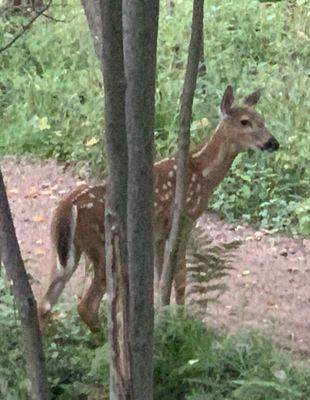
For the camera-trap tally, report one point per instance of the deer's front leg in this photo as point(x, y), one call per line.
point(159, 251)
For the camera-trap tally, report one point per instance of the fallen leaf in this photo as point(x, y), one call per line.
point(245, 272)
point(91, 142)
point(45, 184)
point(46, 192)
point(32, 192)
point(303, 36)
point(192, 362)
point(39, 241)
point(55, 187)
point(280, 375)
point(39, 252)
point(201, 123)
point(43, 124)
point(38, 218)
point(12, 192)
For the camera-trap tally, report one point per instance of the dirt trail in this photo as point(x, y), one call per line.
point(268, 287)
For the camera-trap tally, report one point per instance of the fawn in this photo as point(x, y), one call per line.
point(78, 221)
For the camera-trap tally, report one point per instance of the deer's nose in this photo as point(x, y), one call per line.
point(272, 144)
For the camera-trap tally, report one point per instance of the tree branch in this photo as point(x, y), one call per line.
point(26, 27)
point(179, 220)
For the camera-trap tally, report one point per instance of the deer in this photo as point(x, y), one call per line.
point(78, 221)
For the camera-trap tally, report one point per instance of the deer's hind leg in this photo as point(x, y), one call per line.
point(88, 306)
point(59, 276)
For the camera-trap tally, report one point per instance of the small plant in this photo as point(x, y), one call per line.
point(207, 265)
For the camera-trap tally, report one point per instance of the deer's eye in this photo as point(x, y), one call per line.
point(245, 122)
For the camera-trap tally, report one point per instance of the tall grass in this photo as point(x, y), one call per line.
point(51, 96)
point(191, 361)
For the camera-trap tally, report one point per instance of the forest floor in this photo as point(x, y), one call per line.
point(268, 287)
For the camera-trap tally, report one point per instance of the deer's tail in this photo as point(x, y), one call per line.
point(63, 234)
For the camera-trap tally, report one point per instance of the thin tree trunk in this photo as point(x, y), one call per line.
point(170, 7)
point(194, 53)
point(140, 24)
point(105, 21)
point(93, 14)
point(24, 298)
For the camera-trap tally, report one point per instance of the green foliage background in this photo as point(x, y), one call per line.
point(51, 96)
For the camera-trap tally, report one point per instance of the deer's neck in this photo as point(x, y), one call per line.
point(212, 163)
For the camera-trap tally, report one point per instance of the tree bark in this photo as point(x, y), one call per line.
point(140, 24)
point(24, 298)
point(105, 22)
point(94, 18)
point(179, 220)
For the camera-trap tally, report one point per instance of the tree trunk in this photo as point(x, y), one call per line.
point(179, 220)
point(24, 298)
point(105, 22)
point(131, 311)
point(140, 24)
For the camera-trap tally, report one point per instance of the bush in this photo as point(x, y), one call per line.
point(191, 361)
point(51, 96)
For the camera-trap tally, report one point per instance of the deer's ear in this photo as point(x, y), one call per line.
point(227, 101)
point(253, 98)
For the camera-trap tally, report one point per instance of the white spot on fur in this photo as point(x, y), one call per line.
point(156, 190)
point(47, 306)
point(87, 205)
point(206, 172)
point(171, 174)
point(198, 188)
point(188, 199)
point(194, 178)
point(175, 167)
point(58, 265)
point(165, 187)
point(198, 200)
point(167, 196)
point(101, 201)
point(169, 183)
point(155, 204)
point(92, 196)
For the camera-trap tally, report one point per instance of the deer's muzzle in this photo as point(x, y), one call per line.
point(271, 145)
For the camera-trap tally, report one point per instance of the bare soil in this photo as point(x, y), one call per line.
point(268, 288)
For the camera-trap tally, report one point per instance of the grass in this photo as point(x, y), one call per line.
point(191, 361)
point(51, 97)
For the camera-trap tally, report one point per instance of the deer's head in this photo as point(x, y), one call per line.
point(243, 126)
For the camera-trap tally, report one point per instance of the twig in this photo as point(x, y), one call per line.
point(65, 21)
point(26, 27)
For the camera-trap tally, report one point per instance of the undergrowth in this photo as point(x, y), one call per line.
point(51, 96)
point(191, 361)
